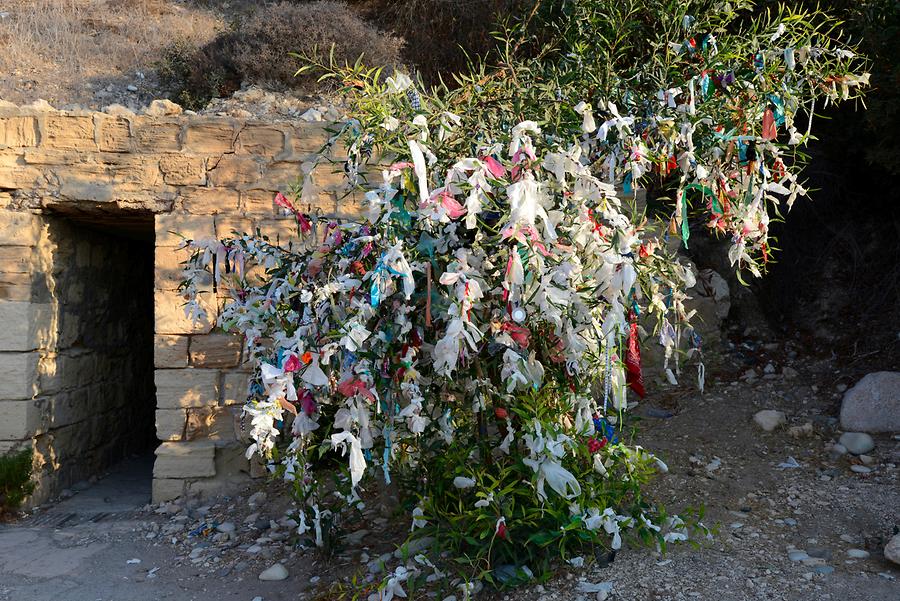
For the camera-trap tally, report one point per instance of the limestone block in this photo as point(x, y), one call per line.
point(152, 134)
point(234, 387)
point(261, 140)
point(113, 133)
point(182, 388)
point(185, 460)
point(25, 325)
point(16, 174)
point(211, 423)
point(227, 225)
point(281, 231)
point(306, 138)
point(19, 375)
point(170, 424)
point(212, 136)
point(215, 350)
point(19, 229)
point(68, 132)
point(18, 420)
point(350, 206)
point(169, 309)
point(167, 489)
point(15, 259)
point(16, 287)
point(19, 131)
point(235, 171)
point(282, 175)
point(183, 170)
point(170, 351)
point(209, 201)
point(257, 203)
point(171, 230)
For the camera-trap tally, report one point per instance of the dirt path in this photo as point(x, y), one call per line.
point(716, 457)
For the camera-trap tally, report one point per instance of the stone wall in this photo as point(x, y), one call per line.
point(192, 176)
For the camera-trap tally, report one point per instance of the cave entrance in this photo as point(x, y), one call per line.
point(95, 373)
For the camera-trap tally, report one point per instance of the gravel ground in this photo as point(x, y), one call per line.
point(811, 532)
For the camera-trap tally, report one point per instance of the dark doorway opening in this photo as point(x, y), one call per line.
point(96, 368)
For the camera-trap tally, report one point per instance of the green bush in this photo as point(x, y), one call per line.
point(15, 479)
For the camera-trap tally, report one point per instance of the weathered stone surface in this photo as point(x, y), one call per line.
point(769, 419)
point(113, 134)
point(185, 460)
point(235, 171)
point(215, 350)
point(19, 229)
point(873, 404)
point(182, 388)
point(183, 170)
point(18, 420)
point(19, 375)
point(170, 351)
point(171, 424)
point(209, 201)
point(234, 388)
point(25, 325)
point(19, 131)
point(261, 140)
point(171, 230)
point(162, 108)
point(68, 132)
point(210, 423)
point(171, 318)
point(157, 135)
point(892, 549)
point(257, 203)
point(210, 136)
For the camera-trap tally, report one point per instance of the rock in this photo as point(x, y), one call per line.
point(801, 431)
point(867, 459)
point(769, 419)
point(163, 108)
point(820, 552)
point(226, 527)
point(276, 572)
point(857, 553)
point(823, 569)
point(256, 498)
point(262, 524)
point(873, 405)
point(892, 549)
point(797, 555)
point(860, 469)
point(789, 372)
point(131, 88)
point(857, 443)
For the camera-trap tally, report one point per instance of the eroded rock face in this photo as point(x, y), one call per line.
point(873, 405)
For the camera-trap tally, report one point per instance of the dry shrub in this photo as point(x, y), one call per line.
point(67, 44)
point(259, 50)
point(440, 33)
point(269, 35)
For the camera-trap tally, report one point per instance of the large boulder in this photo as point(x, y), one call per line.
point(873, 405)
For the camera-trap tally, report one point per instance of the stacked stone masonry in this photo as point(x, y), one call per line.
point(191, 177)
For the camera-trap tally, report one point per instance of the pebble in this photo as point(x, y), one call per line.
point(860, 469)
point(226, 527)
point(892, 549)
point(867, 459)
point(276, 572)
point(857, 443)
point(256, 499)
point(131, 88)
point(769, 419)
point(858, 553)
point(797, 555)
point(820, 552)
point(823, 569)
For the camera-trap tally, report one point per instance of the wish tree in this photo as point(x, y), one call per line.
point(474, 337)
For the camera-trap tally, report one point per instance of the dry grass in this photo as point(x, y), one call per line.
point(62, 50)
